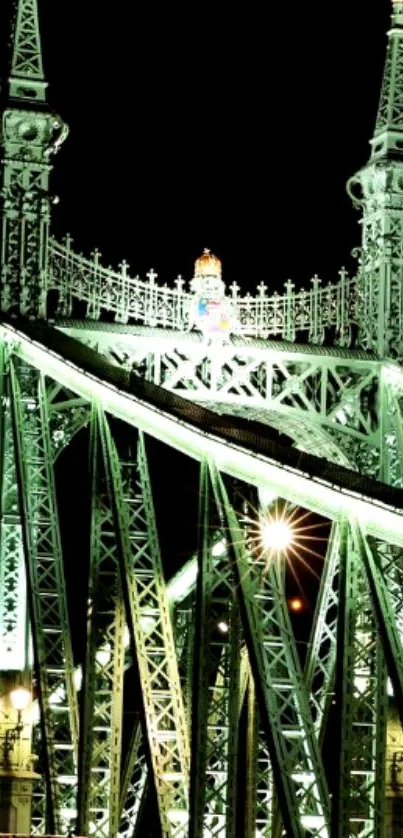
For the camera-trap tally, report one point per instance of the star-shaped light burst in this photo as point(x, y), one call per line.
point(276, 534)
point(285, 532)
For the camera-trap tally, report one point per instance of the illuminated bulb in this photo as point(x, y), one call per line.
point(20, 698)
point(296, 604)
point(276, 535)
point(223, 626)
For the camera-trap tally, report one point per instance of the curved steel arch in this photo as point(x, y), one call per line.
point(329, 496)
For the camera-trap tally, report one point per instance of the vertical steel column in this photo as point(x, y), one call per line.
point(360, 697)
point(321, 656)
point(151, 629)
point(216, 682)
point(133, 786)
point(101, 729)
point(259, 774)
point(297, 767)
point(13, 586)
point(47, 594)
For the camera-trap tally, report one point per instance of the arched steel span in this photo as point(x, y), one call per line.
point(324, 488)
point(326, 391)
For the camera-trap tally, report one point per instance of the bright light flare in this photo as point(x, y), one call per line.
point(288, 533)
point(20, 698)
point(276, 534)
point(296, 604)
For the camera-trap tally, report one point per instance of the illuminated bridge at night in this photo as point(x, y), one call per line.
point(188, 711)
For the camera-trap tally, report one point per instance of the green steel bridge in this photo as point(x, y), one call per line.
point(229, 735)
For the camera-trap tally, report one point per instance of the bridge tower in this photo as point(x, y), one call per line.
point(221, 691)
point(33, 615)
point(30, 136)
point(378, 189)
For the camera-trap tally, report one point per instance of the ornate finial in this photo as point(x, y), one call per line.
point(27, 80)
point(207, 265)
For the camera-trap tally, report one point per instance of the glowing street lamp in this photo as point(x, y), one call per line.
point(16, 775)
point(20, 698)
point(276, 534)
point(296, 604)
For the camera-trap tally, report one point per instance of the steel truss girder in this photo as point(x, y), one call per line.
point(216, 683)
point(135, 776)
point(335, 392)
point(361, 702)
point(46, 591)
point(297, 767)
point(259, 775)
point(14, 635)
point(101, 728)
point(386, 596)
point(150, 626)
point(391, 388)
point(27, 54)
point(324, 496)
point(67, 415)
point(133, 786)
point(389, 117)
point(321, 655)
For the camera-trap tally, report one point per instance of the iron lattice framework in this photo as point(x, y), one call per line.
point(186, 708)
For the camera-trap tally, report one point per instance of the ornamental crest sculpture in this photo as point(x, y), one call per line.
point(210, 311)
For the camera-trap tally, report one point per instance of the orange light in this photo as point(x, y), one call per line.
point(295, 604)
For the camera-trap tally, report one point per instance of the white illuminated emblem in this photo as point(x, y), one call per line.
point(212, 312)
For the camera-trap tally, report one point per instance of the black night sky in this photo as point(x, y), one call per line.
point(204, 125)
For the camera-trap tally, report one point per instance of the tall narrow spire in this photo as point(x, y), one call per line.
point(388, 136)
point(378, 191)
point(29, 136)
point(27, 80)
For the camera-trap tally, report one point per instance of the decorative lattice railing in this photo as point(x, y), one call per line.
point(145, 302)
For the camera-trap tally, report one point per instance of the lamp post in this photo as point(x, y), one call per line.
point(16, 775)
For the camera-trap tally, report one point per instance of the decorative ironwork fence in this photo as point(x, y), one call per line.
point(131, 299)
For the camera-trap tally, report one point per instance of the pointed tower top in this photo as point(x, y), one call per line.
point(27, 81)
point(388, 135)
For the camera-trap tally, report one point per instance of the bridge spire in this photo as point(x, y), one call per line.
point(377, 190)
point(388, 135)
point(29, 136)
point(27, 80)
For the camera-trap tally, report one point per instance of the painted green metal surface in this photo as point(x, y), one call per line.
point(202, 692)
point(46, 591)
point(216, 683)
point(103, 672)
